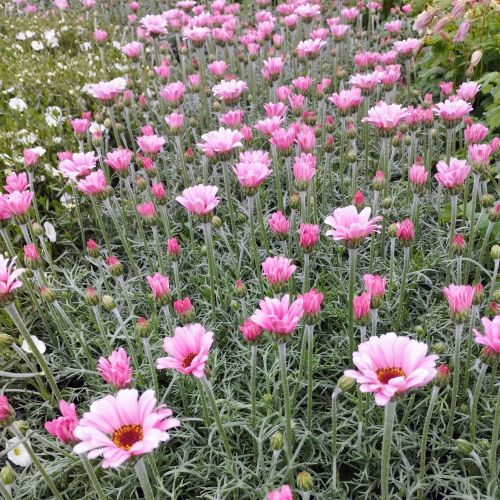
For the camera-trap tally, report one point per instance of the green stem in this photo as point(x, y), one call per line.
point(494, 443)
point(253, 385)
point(475, 400)
point(286, 400)
point(16, 318)
point(456, 377)
point(93, 478)
point(389, 413)
point(474, 314)
point(335, 394)
point(142, 474)
point(352, 278)
point(207, 230)
point(309, 330)
point(402, 291)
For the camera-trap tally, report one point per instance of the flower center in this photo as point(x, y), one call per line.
point(127, 435)
point(386, 374)
point(188, 359)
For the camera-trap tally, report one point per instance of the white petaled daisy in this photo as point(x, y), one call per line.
point(18, 454)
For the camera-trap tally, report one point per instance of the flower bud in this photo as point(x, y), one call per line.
point(37, 229)
point(93, 249)
point(108, 302)
point(478, 297)
point(484, 444)
point(489, 356)
point(267, 399)
point(6, 340)
point(438, 348)
point(458, 245)
point(443, 375)
point(304, 481)
point(21, 425)
point(235, 305)
point(420, 331)
point(47, 294)
point(495, 252)
point(351, 156)
point(240, 289)
point(216, 221)
point(487, 200)
point(387, 203)
point(142, 327)
point(295, 201)
point(91, 297)
point(7, 475)
point(464, 446)
point(345, 384)
point(277, 441)
point(393, 230)
point(7, 414)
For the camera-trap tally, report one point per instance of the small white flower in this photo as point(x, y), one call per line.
point(18, 455)
point(53, 116)
point(94, 127)
point(30, 34)
point(38, 343)
point(17, 104)
point(21, 36)
point(39, 150)
point(36, 45)
point(50, 232)
point(116, 45)
point(51, 38)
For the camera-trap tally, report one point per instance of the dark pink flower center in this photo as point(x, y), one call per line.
point(126, 436)
point(188, 359)
point(386, 374)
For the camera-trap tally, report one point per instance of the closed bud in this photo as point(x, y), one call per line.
point(295, 201)
point(438, 348)
point(37, 229)
point(487, 200)
point(21, 425)
point(107, 123)
point(341, 250)
point(393, 230)
point(443, 375)
point(6, 340)
point(203, 249)
point(199, 180)
point(475, 58)
point(484, 444)
point(387, 203)
point(407, 140)
point(396, 141)
point(495, 252)
point(267, 399)
point(47, 294)
point(345, 384)
point(142, 327)
point(464, 446)
point(235, 305)
point(91, 297)
point(7, 475)
point(304, 481)
point(240, 290)
point(108, 302)
point(216, 222)
point(419, 330)
point(489, 356)
point(141, 183)
point(494, 215)
point(351, 156)
point(277, 441)
point(216, 106)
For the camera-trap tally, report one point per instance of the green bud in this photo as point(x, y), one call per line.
point(438, 348)
point(142, 327)
point(464, 446)
point(216, 221)
point(48, 294)
point(216, 106)
point(484, 444)
point(203, 250)
point(6, 340)
point(108, 302)
point(277, 441)
point(199, 180)
point(393, 230)
point(407, 140)
point(7, 475)
point(495, 252)
point(487, 200)
point(91, 297)
point(107, 123)
point(37, 229)
point(387, 203)
point(235, 305)
point(419, 330)
point(304, 481)
point(351, 156)
point(21, 425)
point(345, 383)
point(341, 250)
point(295, 201)
point(267, 399)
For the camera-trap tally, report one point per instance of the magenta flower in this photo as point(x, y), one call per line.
point(119, 160)
point(278, 270)
point(452, 176)
point(480, 154)
point(94, 184)
point(405, 232)
point(199, 200)
point(8, 278)
point(173, 93)
point(476, 133)
point(188, 350)
point(159, 285)
point(385, 117)
point(150, 144)
point(361, 307)
point(251, 331)
point(418, 176)
point(279, 224)
point(283, 493)
point(459, 299)
point(63, 427)
point(491, 337)
point(308, 236)
point(80, 126)
point(123, 426)
point(16, 182)
point(278, 316)
point(350, 226)
point(19, 202)
point(375, 285)
point(7, 414)
point(77, 165)
point(116, 369)
point(390, 365)
point(311, 301)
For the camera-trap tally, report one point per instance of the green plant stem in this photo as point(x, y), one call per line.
point(389, 414)
point(391, 267)
point(467, 368)
point(335, 394)
point(374, 317)
point(213, 403)
point(425, 432)
point(207, 230)
point(16, 318)
point(472, 213)
point(309, 331)
point(253, 385)
point(402, 290)
point(494, 444)
point(353, 252)
point(142, 474)
point(475, 400)
point(456, 377)
point(5, 492)
point(102, 328)
point(286, 400)
point(36, 461)
point(93, 478)
point(152, 368)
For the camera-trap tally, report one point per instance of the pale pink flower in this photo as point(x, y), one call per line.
point(154, 25)
point(308, 236)
point(283, 493)
point(278, 316)
point(229, 91)
point(62, 427)
point(283, 139)
point(339, 31)
point(123, 426)
point(278, 270)
point(119, 159)
point(30, 157)
point(393, 26)
point(19, 202)
point(251, 331)
point(385, 117)
point(94, 184)
point(279, 224)
point(408, 47)
point(275, 109)
point(306, 139)
point(310, 48)
point(350, 226)
point(375, 285)
point(77, 165)
point(116, 369)
point(405, 232)
point(468, 90)
point(132, 50)
point(16, 182)
point(418, 175)
point(252, 169)
point(175, 121)
point(107, 91)
point(199, 200)
point(452, 176)
point(220, 142)
point(304, 168)
point(451, 112)
point(188, 350)
point(476, 133)
point(217, 68)
point(173, 93)
point(480, 154)
point(267, 126)
point(80, 125)
point(196, 34)
point(147, 210)
point(273, 67)
point(303, 84)
point(311, 302)
point(459, 299)
point(347, 101)
point(8, 277)
point(361, 306)
point(491, 337)
point(232, 119)
point(159, 285)
point(151, 144)
point(173, 248)
point(366, 82)
point(390, 365)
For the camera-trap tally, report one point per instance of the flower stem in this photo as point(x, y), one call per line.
point(335, 394)
point(36, 461)
point(253, 385)
point(425, 431)
point(286, 399)
point(207, 230)
point(474, 314)
point(374, 313)
point(475, 400)
point(402, 291)
point(16, 318)
point(310, 346)
point(142, 474)
point(389, 413)
point(352, 278)
point(147, 350)
point(494, 443)
point(213, 403)
point(93, 478)
point(456, 377)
